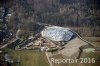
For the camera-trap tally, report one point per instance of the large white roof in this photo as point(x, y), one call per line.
point(56, 33)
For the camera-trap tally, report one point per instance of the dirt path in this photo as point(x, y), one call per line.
point(48, 59)
point(72, 48)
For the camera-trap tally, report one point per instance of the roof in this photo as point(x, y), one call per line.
point(56, 33)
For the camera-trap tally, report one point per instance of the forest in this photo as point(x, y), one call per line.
point(79, 15)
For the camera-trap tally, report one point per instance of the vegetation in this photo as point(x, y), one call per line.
point(94, 40)
point(66, 13)
point(52, 50)
point(14, 44)
point(30, 58)
point(80, 15)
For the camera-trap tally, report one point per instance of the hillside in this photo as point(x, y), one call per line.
point(34, 31)
point(67, 13)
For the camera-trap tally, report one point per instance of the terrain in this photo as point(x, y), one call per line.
point(21, 23)
point(30, 58)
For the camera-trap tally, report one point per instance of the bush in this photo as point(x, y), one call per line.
point(52, 50)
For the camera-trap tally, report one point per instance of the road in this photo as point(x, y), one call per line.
point(48, 59)
point(5, 45)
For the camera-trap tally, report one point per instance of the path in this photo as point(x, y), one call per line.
point(48, 58)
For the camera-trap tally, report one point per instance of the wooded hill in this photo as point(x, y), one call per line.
point(66, 13)
point(59, 12)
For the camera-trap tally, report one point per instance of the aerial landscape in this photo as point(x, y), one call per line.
point(49, 33)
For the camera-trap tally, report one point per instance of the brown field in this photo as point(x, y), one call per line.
point(94, 40)
point(91, 55)
point(96, 55)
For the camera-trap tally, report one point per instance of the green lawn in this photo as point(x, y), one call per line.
point(30, 58)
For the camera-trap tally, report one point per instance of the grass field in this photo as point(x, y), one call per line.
point(30, 58)
point(94, 40)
